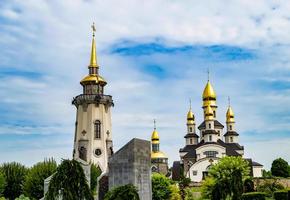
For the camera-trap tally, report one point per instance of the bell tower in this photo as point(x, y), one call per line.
point(93, 127)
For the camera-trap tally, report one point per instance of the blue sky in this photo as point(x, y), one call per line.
point(153, 64)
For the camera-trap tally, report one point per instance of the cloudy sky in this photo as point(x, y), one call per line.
point(154, 56)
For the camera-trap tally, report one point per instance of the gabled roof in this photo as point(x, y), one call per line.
point(217, 124)
point(191, 135)
point(231, 133)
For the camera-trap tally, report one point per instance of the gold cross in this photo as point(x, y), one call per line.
point(93, 28)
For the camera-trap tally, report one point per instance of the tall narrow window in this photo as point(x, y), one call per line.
point(190, 129)
point(210, 138)
point(214, 114)
point(231, 127)
point(209, 126)
point(97, 129)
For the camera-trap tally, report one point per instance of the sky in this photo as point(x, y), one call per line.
point(154, 56)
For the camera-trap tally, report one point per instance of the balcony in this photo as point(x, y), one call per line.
point(93, 98)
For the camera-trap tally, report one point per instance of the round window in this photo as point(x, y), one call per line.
point(98, 152)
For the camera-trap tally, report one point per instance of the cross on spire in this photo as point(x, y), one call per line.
point(154, 121)
point(208, 74)
point(93, 28)
point(229, 101)
point(190, 103)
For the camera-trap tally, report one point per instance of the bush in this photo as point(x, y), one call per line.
point(33, 185)
point(254, 196)
point(95, 173)
point(281, 195)
point(22, 197)
point(269, 187)
point(160, 187)
point(280, 168)
point(124, 192)
point(174, 192)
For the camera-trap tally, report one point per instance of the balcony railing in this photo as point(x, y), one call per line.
point(92, 98)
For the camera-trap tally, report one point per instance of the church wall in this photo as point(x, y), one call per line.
point(257, 171)
point(211, 147)
point(196, 170)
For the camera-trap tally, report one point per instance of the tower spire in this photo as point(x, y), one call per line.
point(207, 74)
point(93, 61)
point(229, 101)
point(154, 121)
point(189, 103)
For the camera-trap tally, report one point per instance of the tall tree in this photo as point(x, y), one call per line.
point(160, 187)
point(33, 184)
point(124, 192)
point(14, 174)
point(95, 173)
point(70, 182)
point(226, 178)
point(2, 183)
point(280, 168)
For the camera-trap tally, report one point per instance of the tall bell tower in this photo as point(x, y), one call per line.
point(93, 127)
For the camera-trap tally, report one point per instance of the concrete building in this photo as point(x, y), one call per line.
point(93, 127)
point(203, 150)
point(132, 165)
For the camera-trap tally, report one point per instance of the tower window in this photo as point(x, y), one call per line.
point(210, 154)
point(190, 141)
point(97, 129)
point(214, 114)
point(190, 129)
point(231, 127)
point(231, 139)
point(209, 126)
point(210, 138)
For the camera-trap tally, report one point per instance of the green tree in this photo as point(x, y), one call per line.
point(14, 174)
point(160, 187)
point(70, 182)
point(226, 178)
point(22, 197)
point(266, 174)
point(95, 173)
point(124, 192)
point(183, 183)
point(33, 184)
point(2, 183)
point(280, 168)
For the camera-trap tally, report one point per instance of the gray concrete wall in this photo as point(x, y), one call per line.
point(132, 165)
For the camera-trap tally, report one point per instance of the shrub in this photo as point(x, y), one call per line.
point(254, 196)
point(22, 197)
point(124, 192)
point(281, 195)
point(269, 187)
point(160, 187)
point(174, 192)
point(95, 173)
point(280, 168)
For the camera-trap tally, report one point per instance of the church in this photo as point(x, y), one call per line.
point(203, 150)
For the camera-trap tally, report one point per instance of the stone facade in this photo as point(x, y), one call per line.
point(132, 165)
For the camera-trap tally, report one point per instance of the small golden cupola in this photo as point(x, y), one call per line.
point(93, 78)
point(209, 113)
point(155, 137)
point(230, 115)
point(190, 116)
point(209, 96)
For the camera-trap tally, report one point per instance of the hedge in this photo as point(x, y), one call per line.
point(281, 195)
point(253, 196)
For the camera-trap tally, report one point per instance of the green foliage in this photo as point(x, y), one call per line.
point(95, 173)
point(22, 197)
point(249, 185)
point(183, 183)
point(280, 168)
point(160, 187)
point(253, 196)
point(2, 198)
point(33, 184)
point(14, 174)
point(174, 192)
point(226, 178)
point(281, 195)
point(192, 193)
point(266, 174)
point(70, 181)
point(124, 192)
point(269, 187)
point(2, 183)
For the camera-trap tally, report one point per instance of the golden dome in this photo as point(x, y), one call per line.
point(208, 113)
point(155, 137)
point(230, 115)
point(208, 92)
point(159, 154)
point(190, 117)
point(93, 78)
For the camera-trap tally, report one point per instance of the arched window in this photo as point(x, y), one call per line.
point(190, 141)
point(209, 126)
point(210, 138)
point(232, 139)
point(190, 129)
point(97, 129)
point(214, 114)
point(231, 127)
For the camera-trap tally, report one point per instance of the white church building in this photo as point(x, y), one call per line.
point(204, 149)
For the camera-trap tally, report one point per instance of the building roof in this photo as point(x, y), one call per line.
point(217, 124)
point(231, 133)
point(231, 148)
point(176, 170)
point(256, 164)
point(191, 135)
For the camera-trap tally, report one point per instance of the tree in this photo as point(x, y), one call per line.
point(160, 187)
point(280, 168)
point(226, 178)
point(174, 192)
point(14, 174)
point(2, 183)
point(22, 197)
point(95, 173)
point(70, 182)
point(124, 192)
point(33, 184)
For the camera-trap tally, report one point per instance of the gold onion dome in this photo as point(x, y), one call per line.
point(208, 96)
point(230, 115)
point(95, 78)
point(190, 117)
point(155, 137)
